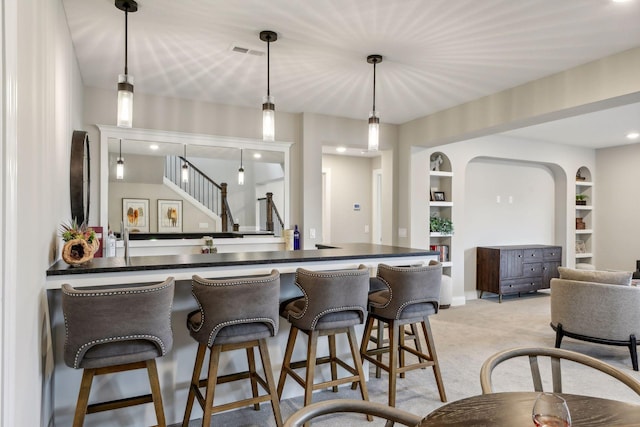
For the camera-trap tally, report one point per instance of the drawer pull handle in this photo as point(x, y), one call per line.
point(519, 256)
point(511, 286)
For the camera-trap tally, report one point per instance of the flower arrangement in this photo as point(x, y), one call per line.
point(81, 243)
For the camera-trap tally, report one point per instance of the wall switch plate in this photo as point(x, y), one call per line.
point(204, 225)
point(366, 228)
point(402, 232)
point(312, 233)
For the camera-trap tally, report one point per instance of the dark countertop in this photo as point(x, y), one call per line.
point(165, 262)
point(218, 235)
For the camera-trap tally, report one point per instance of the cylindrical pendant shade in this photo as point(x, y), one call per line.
point(185, 173)
point(120, 168)
point(268, 119)
point(125, 101)
point(374, 131)
point(241, 176)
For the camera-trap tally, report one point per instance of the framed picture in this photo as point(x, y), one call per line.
point(438, 196)
point(135, 215)
point(169, 216)
point(581, 247)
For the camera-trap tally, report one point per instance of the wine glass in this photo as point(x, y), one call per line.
point(550, 410)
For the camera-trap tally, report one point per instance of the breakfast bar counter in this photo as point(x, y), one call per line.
point(175, 368)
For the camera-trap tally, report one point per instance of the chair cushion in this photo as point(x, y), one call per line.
point(120, 352)
point(338, 319)
point(412, 311)
point(597, 276)
point(240, 332)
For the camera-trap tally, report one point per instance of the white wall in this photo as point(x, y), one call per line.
point(46, 91)
point(350, 184)
point(616, 204)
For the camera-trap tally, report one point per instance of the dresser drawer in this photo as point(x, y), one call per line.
point(522, 285)
point(552, 253)
point(532, 269)
point(529, 255)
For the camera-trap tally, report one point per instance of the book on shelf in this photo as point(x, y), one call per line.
point(444, 252)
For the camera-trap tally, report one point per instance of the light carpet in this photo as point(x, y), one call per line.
point(465, 337)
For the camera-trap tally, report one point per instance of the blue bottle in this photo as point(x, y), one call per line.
point(296, 238)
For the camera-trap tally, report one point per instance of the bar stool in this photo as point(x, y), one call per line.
point(116, 330)
point(333, 303)
point(238, 313)
point(410, 297)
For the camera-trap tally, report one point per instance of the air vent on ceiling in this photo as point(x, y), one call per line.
point(244, 50)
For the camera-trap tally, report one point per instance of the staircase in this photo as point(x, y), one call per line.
point(199, 186)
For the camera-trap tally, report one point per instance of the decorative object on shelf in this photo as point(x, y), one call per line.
point(436, 162)
point(580, 224)
point(439, 196)
point(581, 199)
point(81, 243)
point(579, 176)
point(439, 224)
point(125, 81)
point(268, 106)
point(444, 252)
point(135, 215)
point(374, 119)
point(581, 247)
point(169, 216)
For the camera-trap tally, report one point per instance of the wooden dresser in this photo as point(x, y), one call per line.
point(516, 269)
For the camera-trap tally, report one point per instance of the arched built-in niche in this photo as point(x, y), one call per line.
point(584, 217)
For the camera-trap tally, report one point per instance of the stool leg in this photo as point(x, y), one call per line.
point(156, 394)
point(380, 339)
point(212, 379)
point(368, 329)
point(197, 368)
point(266, 364)
point(251, 361)
point(426, 328)
point(311, 366)
point(83, 397)
point(416, 340)
point(332, 357)
point(355, 354)
point(401, 332)
point(286, 363)
point(394, 331)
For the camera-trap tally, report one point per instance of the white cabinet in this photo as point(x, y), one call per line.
point(584, 216)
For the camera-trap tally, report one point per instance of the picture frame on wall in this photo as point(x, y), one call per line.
point(135, 215)
point(169, 216)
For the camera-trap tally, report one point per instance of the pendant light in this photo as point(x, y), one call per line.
point(120, 164)
point(241, 171)
point(268, 106)
point(374, 120)
point(125, 81)
point(185, 167)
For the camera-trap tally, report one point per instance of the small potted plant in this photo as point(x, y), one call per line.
point(81, 243)
point(440, 225)
point(581, 199)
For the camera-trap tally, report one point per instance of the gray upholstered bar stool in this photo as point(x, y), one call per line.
point(116, 330)
point(410, 297)
point(333, 303)
point(235, 314)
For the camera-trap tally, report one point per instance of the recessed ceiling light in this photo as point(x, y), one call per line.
point(257, 155)
point(341, 149)
point(633, 135)
point(154, 146)
point(621, 1)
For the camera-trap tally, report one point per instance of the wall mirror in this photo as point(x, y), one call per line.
point(153, 163)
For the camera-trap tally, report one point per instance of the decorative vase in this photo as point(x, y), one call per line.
point(77, 252)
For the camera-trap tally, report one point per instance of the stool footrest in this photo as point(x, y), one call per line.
point(119, 403)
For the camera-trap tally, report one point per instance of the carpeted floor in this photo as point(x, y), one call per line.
point(465, 337)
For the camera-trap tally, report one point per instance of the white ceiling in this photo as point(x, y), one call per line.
point(437, 53)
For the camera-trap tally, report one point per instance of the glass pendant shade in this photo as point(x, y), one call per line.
point(125, 101)
point(374, 131)
point(120, 168)
point(268, 119)
point(185, 173)
point(241, 176)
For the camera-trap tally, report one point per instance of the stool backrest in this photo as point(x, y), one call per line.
point(100, 316)
point(225, 302)
point(410, 285)
point(331, 292)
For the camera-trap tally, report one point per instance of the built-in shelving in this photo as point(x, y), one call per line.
point(440, 185)
point(584, 217)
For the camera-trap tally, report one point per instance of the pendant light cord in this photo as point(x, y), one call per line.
point(268, 66)
point(126, 38)
point(120, 149)
point(374, 86)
